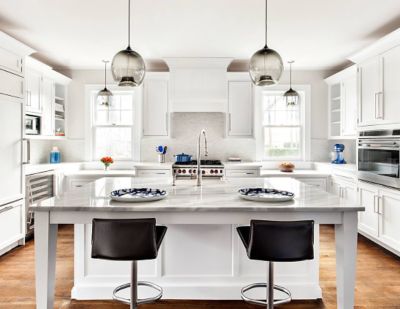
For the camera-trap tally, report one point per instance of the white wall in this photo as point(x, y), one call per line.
point(72, 149)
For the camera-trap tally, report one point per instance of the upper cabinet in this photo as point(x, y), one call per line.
point(240, 109)
point(379, 75)
point(342, 100)
point(155, 105)
point(45, 98)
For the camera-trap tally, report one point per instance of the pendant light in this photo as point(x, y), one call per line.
point(266, 65)
point(292, 97)
point(105, 94)
point(128, 67)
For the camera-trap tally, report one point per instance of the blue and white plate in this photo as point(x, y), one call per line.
point(138, 195)
point(265, 195)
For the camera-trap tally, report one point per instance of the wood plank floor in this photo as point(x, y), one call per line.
point(378, 280)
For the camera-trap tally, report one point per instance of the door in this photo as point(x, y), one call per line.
point(349, 106)
point(155, 108)
point(11, 187)
point(32, 90)
point(47, 102)
point(389, 218)
point(240, 108)
point(368, 220)
point(388, 103)
point(370, 87)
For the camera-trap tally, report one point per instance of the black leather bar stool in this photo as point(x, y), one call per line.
point(128, 240)
point(274, 241)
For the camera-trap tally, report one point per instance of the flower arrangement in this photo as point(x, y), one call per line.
point(107, 161)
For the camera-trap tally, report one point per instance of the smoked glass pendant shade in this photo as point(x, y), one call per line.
point(292, 97)
point(105, 96)
point(128, 68)
point(265, 67)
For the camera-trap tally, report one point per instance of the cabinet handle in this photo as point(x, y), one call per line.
point(4, 209)
point(28, 151)
point(380, 105)
point(230, 122)
point(375, 204)
point(166, 123)
point(376, 105)
point(380, 206)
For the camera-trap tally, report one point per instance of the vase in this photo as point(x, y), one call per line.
point(106, 166)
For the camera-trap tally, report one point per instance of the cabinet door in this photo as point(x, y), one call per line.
point(388, 102)
point(240, 108)
point(33, 91)
point(370, 87)
point(349, 106)
point(315, 182)
point(350, 192)
point(389, 218)
point(47, 102)
point(334, 187)
point(368, 220)
point(10, 61)
point(12, 227)
point(155, 108)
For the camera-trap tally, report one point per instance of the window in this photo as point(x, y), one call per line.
point(282, 127)
point(113, 126)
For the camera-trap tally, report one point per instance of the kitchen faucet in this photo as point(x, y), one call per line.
point(199, 174)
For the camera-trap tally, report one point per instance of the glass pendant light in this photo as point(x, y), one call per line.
point(292, 97)
point(128, 67)
point(105, 94)
point(266, 65)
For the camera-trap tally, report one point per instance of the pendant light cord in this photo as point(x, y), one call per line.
point(105, 74)
point(290, 75)
point(129, 23)
point(266, 21)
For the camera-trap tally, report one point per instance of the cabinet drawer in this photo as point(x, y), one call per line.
point(153, 173)
point(11, 84)
point(11, 223)
point(241, 173)
point(10, 61)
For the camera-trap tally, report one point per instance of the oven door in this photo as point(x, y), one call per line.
point(378, 161)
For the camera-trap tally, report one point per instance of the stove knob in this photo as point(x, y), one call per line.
point(184, 171)
point(221, 171)
point(203, 172)
point(216, 171)
point(212, 171)
point(179, 171)
point(194, 171)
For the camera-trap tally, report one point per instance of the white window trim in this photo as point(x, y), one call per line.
point(305, 114)
point(89, 119)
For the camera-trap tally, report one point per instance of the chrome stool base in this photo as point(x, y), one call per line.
point(270, 301)
point(134, 301)
point(138, 301)
point(264, 303)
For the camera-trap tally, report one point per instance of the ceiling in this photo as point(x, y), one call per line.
point(80, 33)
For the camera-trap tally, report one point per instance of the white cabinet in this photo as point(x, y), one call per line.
point(342, 99)
point(379, 89)
point(368, 219)
point(12, 224)
point(344, 187)
point(11, 84)
point(47, 103)
point(33, 91)
point(155, 106)
point(11, 62)
point(240, 108)
point(155, 173)
point(389, 218)
point(315, 182)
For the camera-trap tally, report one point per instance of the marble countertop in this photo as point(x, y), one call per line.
point(295, 173)
point(109, 173)
point(214, 195)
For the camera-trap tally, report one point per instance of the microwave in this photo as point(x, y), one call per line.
point(32, 125)
point(379, 157)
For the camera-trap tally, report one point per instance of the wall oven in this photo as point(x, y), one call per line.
point(378, 157)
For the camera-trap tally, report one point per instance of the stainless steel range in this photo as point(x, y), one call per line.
point(379, 157)
point(209, 168)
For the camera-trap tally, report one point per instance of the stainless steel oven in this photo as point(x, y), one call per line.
point(32, 125)
point(379, 157)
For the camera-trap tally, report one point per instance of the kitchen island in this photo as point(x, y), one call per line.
point(201, 257)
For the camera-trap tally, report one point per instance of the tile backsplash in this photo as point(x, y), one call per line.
point(185, 130)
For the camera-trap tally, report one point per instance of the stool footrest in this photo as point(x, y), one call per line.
point(138, 301)
point(265, 302)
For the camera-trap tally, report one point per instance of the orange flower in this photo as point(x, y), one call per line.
point(107, 160)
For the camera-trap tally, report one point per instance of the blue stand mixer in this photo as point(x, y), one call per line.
point(338, 154)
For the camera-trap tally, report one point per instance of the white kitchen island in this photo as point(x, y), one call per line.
point(201, 257)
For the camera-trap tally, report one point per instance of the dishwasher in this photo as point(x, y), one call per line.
point(39, 187)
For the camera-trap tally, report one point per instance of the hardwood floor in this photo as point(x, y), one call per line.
point(378, 280)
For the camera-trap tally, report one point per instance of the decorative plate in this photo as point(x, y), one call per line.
point(265, 195)
point(138, 195)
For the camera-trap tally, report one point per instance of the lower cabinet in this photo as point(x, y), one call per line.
point(153, 173)
point(381, 219)
point(12, 225)
point(344, 187)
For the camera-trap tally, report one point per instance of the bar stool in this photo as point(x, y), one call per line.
point(274, 241)
point(128, 240)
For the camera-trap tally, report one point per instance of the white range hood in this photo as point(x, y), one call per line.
point(198, 84)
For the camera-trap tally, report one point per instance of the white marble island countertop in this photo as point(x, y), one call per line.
point(214, 195)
